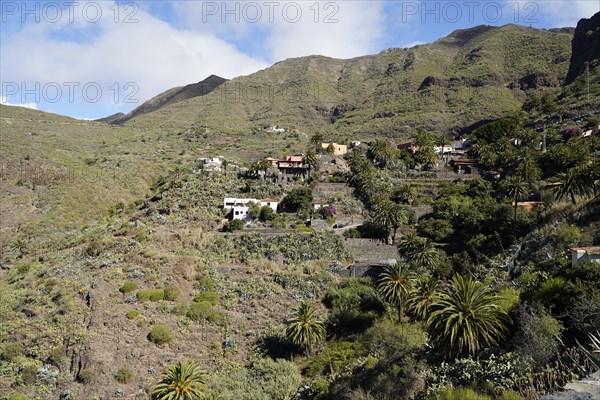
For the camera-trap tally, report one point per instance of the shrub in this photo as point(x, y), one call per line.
point(267, 214)
point(152, 295)
point(29, 375)
point(161, 334)
point(352, 233)
point(128, 286)
point(143, 295)
point(57, 355)
point(85, 376)
point(207, 295)
point(12, 351)
point(297, 199)
point(124, 375)
point(459, 394)
point(172, 293)
point(133, 314)
point(18, 396)
point(202, 311)
point(234, 225)
point(181, 308)
point(157, 294)
point(23, 269)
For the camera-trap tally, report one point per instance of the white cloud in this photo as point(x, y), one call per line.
point(556, 13)
point(5, 102)
point(339, 29)
point(150, 53)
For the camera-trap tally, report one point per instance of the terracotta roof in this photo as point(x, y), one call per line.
point(589, 250)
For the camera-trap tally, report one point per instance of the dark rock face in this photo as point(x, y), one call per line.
point(432, 81)
point(533, 81)
point(586, 47)
point(338, 111)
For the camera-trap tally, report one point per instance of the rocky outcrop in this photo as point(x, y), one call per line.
point(432, 81)
point(586, 47)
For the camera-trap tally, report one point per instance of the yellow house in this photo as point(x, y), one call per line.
point(338, 149)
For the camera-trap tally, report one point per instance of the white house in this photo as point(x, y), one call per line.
point(212, 164)
point(239, 206)
point(444, 150)
point(581, 254)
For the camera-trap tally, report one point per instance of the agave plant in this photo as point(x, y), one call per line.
point(594, 354)
point(182, 381)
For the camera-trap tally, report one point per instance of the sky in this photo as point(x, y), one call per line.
point(91, 59)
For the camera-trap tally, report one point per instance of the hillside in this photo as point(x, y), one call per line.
point(171, 96)
point(473, 74)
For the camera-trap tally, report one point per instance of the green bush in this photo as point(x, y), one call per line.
point(57, 354)
point(128, 286)
point(172, 293)
point(161, 334)
point(18, 396)
point(207, 295)
point(333, 359)
point(29, 374)
point(234, 225)
point(133, 314)
point(85, 376)
point(12, 351)
point(352, 233)
point(202, 311)
point(143, 295)
point(124, 375)
point(150, 295)
point(23, 269)
point(157, 294)
point(459, 394)
point(181, 308)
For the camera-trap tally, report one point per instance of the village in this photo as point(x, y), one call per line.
point(316, 194)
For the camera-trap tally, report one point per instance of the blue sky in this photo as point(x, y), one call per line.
point(89, 59)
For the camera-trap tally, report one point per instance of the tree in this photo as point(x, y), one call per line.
point(297, 199)
point(423, 295)
point(316, 139)
point(182, 381)
point(528, 168)
point(312, 160)
point(304, 328)
point(573, 183)
point(394, 285)
point(382, 152)
point(405, 193)
point(225, 164)
point(465, 318)
point(442, 141)
point(389, 216)
point(515, 188)
point(266, 214)
point(420, 252)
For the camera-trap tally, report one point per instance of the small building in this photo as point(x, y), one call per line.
point(319, 204)
point(583, 254)
point(529, 205)
point(460, 147)
point(442, 149)
point(338, 149)
point(410, 146)
point(291, 168)
point(463, 166)
point(212, 164)
point(239, 206)
point(276, 129)
point(354, 144)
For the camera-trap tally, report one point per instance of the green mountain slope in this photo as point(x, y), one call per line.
point(473, 74)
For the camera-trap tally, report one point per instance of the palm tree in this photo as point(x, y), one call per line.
point(573, 183)
point(528, 168)
point(382, 152)
point(465, 318)
point(419, 251)
point(442, 141)
point(316, 139)
point(406, 193)
point(423, 295)
point(390, 216)
point(182, 381)
point(516, 188)
point(311, 159)
point(304, 329)
point(394, 285)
